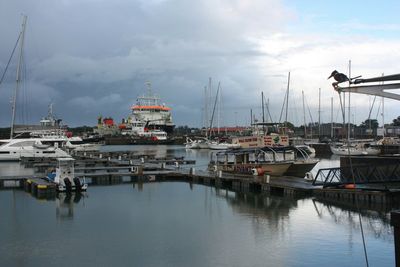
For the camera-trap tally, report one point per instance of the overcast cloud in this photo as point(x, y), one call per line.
point(93, 57)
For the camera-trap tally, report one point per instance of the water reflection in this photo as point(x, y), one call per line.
point(65, 204)
point(154, 223)
point(376, 223)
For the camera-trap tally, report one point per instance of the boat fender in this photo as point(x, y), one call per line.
point(68, 185)
point(350, 186)
point(257, 171)
point(260, 171)
point(309, 176)
point(78, 185)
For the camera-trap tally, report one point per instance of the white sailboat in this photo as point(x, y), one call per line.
point(222, 146)
point(359, 149)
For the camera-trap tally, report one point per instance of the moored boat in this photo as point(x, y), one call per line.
point(77, 144)
point(15, 149)
point(222, 146)
point(355, 149)
point(64, 177)
point(261, 161)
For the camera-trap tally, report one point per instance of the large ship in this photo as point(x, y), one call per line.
point(148, 109)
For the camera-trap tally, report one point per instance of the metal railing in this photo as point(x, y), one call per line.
point(363, 174)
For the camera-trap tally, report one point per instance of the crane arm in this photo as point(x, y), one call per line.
point(377, 89)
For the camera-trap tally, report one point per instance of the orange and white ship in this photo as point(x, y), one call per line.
point(148, 108)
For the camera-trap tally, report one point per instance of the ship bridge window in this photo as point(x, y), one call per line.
point(49, 152)
point(23, 143)
point(4, 152)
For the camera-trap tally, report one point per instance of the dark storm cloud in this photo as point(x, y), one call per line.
point(93, 57)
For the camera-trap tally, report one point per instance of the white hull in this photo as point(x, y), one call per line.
point(192, 145)
point(203, 145)
point(222, 146)
point(218, 146)
point(358, 150)
point(15, 149)
point(83, 147)
point(373, 151)
point(197, 144)
point(345, 151)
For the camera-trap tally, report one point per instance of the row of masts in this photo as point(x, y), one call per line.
point(213, 110)
point(348, 133)
point(209, 111)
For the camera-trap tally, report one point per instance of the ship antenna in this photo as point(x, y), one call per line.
point(50, 112)
point(149, 92)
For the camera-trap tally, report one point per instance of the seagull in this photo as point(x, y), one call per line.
point(339, 78)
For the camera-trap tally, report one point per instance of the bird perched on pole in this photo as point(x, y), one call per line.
point(339, 78)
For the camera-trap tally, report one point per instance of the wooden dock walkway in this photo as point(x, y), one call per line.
point(133, 168)
point(286, 186)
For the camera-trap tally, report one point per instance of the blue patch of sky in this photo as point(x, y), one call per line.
point(372, 18)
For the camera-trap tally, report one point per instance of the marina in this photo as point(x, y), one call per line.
point(252, 197)
point(117, 171)
point(223, 138)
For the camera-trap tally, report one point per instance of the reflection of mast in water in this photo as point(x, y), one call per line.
point(208, 204)
point(375, 222)
point(65, 205)
point(266, 212)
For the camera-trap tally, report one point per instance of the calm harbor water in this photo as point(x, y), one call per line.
point(178, 224)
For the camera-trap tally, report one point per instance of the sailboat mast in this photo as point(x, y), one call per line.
point(349, 109)
point(18, 77)
point(263, 113)
point(219, 110)
point(304, 114)
point(215, 104)
point(287, 101)
point(383, 116)
point(319, 113)
point(383, 112)
point(331, 117)
point(251, 118)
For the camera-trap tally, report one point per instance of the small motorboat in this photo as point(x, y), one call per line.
point(64, 177)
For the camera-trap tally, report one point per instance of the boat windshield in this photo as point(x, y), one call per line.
point(23, 144)
point(2, 143)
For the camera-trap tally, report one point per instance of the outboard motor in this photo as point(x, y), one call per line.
point(78, 185)
point(68, 185)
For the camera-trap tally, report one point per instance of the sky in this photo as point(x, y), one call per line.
point(93, 57)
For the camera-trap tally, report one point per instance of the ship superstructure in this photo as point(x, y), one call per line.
point(148, 109)
point(50, 126)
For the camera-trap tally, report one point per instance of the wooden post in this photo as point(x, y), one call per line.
point(395, 222)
